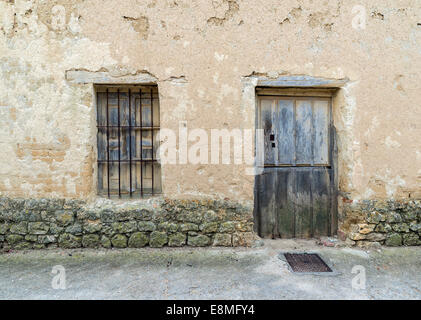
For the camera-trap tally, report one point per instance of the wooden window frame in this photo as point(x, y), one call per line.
point(132, 155)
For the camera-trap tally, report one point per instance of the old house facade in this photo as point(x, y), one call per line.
point(174, 122)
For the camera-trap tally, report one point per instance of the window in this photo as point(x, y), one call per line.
point(128, 122)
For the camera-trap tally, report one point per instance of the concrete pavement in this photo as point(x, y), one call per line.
point(209, 273)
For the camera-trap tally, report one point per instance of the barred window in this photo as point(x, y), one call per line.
point(128, 122)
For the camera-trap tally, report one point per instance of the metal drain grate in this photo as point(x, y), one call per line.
point(306, 262)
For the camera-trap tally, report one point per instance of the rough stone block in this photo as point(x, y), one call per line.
point(393, 217)
point(383, 227)
point(393, 240)
point(146, 226)
point(376, 236)
point(411, 239)
point(364, 228)
point(46, 239)
point(31, 216)
point(92, 226)
point(210, 216)
point(375, 217)
point(244, 226)
point(184, 227)
point(243, 239)
point(23, 245)
point(38, 228)
point(138, 240)
point(167, 226)
point(415, 226)
point(75, 229)
point(4, 227)
point(13, 239)
point(90, 241)
point(64, 217)
point(192, 217)
point(105, 242)
point(31, 238)
point(19, 228)
point(55, 229)
point(107, 216)
point(400, 227)
point(177, 239)
point(410, 215)
point(119, 241)
point(356, 236)
point(122, 215)
point(209, 227)
point(142, 214)
point(199, 241)
point(158, 239)
point(223, 240)
point(67, 240)
point(227, 227)
point(124, 227)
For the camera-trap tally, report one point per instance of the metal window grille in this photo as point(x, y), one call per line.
point(128, 123)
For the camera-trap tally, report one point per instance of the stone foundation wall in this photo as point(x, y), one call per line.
point(392, 223)
point(42, 223)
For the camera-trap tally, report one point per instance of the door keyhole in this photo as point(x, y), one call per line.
point(272, 138)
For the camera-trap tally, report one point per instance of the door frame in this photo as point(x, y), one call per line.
point(303, 93)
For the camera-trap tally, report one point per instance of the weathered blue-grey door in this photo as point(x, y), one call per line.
point(295, 194)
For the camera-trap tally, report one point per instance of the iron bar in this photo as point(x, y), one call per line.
point(141, 142)
point(108, 150)
point(152, 136)
point(130, 143)
point(118, 135)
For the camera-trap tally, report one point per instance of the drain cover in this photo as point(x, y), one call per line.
point(306, 262)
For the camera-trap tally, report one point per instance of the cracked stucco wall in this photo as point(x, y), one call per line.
point(199, 52)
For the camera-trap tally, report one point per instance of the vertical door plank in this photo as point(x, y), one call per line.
point(333, 175)
point(303, 203)
point(266, 110)
point(321, 132)
point(321, 201)
point(285, 202)
point(267, 196)
point(284, 132)
point(303, 132)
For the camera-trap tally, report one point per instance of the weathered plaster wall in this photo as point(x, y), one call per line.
point(201, 52)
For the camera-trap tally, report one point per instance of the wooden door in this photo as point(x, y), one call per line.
point(295, 195)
